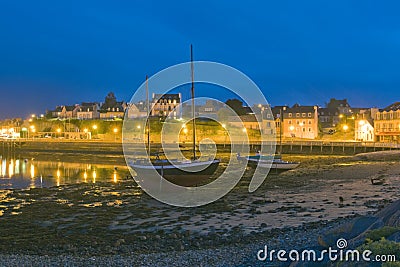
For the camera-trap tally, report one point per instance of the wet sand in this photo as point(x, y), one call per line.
point(102, 220)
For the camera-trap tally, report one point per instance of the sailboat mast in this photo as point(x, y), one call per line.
point(193, 107)
point(148, 114)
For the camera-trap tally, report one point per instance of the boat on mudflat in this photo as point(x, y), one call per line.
point(184, 172)
point(274, 162)
point(180, 172)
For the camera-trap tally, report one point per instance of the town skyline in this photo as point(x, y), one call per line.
point(297, 52)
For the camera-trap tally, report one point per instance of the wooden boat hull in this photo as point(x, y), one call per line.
point(276, 164)
point(184, 176)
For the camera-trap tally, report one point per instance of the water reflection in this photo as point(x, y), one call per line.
point(24, 173)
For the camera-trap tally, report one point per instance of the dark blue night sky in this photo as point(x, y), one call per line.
point(66, 52)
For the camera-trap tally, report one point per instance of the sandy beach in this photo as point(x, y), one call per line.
point(118, 224)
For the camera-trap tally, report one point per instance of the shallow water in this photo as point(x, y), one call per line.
point(17, 173)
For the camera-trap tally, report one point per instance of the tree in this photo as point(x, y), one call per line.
point(237, 106)
point(110, 101)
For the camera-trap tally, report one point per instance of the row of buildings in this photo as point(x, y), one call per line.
point(162, 105)
point(297, 121)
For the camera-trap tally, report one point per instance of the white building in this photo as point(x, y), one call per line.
point(364, 131)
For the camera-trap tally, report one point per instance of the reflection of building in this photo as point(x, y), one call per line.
point(88, 111)
point(164, 105)
point(300, 121)
point(387, 124)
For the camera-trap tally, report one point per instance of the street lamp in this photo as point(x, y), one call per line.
point(301, 129)
point(24, 129)
point(115, 130)
point(32, 129)
point(185, 131)
point(345, 127)
point(86, 133)
point(95, 128)
point(225, 133)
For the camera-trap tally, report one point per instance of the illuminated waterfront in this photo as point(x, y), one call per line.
point(18, 173)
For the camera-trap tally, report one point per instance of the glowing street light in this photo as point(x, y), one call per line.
point(244, 130)
point(345, 127)
point(115, 130)
point(301, 129)
point(95, 128)
point(58, 130)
